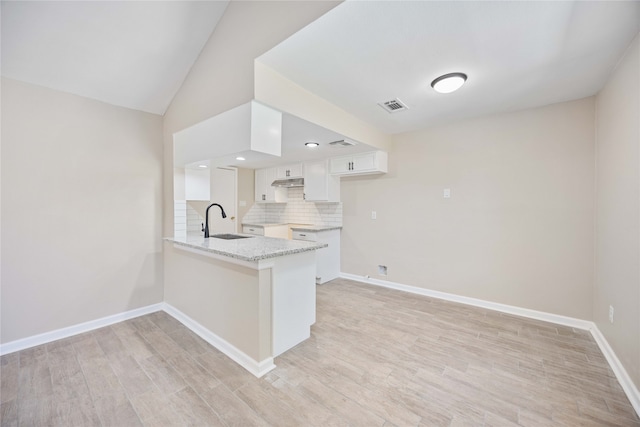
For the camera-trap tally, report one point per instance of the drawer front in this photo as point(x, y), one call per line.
point(304, 235)
point(258, 231)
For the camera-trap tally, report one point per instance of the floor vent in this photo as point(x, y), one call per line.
point(393, 106)
point(342, 143)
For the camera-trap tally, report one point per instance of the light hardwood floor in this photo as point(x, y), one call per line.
point(376, 357)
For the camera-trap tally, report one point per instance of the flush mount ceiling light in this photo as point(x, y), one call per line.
point(449, 82)
point(311, 144)
point(202, 166)
point(240, 158)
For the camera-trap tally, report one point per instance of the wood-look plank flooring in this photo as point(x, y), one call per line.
point(377, 357)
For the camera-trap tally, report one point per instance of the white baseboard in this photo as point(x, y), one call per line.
point(621, 374)
point(47, 337)
point(504, 308)
point(256, 368)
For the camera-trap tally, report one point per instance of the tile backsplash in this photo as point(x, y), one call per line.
point(296, 211)
point(194, 218)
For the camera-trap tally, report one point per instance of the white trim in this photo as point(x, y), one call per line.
point(256, 368)
point(80, 328)
point(621, 374)
point(504, 308)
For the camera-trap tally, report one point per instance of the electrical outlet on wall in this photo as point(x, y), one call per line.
point(382, 270)
point(611, 314)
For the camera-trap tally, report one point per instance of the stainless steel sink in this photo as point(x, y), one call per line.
point(229, 236)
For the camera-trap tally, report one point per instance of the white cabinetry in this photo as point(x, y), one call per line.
point(359, 164)
point(289, 171)
point(319, 185)
point(196, 184)
point(252, 229)
point(280, 231)
point(327, 259)
point(264, 192)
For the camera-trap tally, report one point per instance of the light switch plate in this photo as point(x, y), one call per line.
point(446, 193)
point(374, 215)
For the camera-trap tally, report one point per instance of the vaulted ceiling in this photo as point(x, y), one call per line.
point(516, 54)
point(134, 54)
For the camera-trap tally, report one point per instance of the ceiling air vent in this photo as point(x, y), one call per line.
point(393, 106)
point(342, 143)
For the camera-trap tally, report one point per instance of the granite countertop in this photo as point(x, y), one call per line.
point(254, 248)
point(312, 228)
point(295, 226)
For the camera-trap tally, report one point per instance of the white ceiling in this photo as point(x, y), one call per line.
point(134, 54)
point(295, 133)
point(517, 55)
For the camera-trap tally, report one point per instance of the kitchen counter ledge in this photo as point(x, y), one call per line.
point(252, 249)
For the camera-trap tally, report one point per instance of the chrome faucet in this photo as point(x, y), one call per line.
point(206, 218)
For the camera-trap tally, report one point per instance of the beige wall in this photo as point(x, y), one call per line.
point(81, 210)
point(275, 90)
point(617, 278)
point(518, 228)
point(221, 296)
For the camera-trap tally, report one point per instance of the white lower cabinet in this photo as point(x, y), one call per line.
point(252, 229)
point(278, 231)
point(327, 259)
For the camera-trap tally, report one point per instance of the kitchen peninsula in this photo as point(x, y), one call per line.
point(252, 298)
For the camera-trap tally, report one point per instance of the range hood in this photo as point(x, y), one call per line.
point(288, 183)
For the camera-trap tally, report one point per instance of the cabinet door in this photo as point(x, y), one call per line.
point(295, 170)
point(196, 184)
point(281, 172)
point(315, 181)
point(269, 177)
point(289, 171)
point(364, 162)
point(250, 229)
point(264, 192)
point(340, 165)
point(260, 179)
point(319, 186)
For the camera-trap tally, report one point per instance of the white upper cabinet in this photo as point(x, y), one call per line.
point(196, 184)
point(319, 185)
point(359, 164)
point(289, 171)
point(264, 192)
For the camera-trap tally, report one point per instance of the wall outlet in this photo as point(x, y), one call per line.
point(382, 270)
point(374, 215)
point(446, 193)
point(611, 314)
